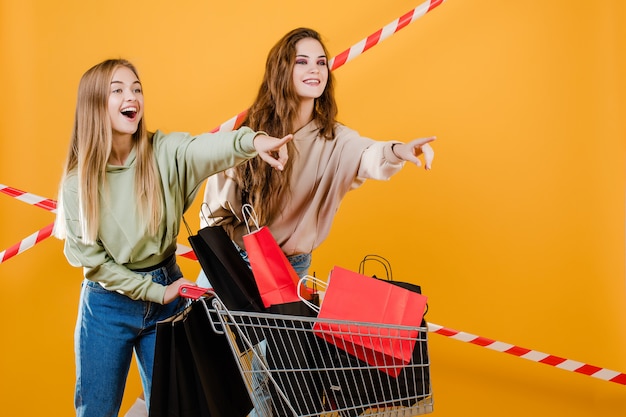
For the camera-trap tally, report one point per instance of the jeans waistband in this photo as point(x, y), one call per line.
point(161, 264)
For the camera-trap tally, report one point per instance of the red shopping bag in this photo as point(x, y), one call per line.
point(354, 299)
point(274, 275)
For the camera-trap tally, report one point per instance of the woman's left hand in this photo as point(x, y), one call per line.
point(412, 150)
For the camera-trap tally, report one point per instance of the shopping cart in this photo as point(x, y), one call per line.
point(291, 370)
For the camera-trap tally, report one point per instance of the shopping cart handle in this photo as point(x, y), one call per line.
point(192, 291)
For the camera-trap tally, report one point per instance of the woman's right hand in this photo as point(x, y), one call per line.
point(273, 150)
point(171, 291)
point(412, 150)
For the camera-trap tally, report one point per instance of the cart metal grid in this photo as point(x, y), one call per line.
point(290, 370)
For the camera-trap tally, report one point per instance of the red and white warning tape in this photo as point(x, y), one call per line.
point(382, 34)
point(354, 51)
point(32, 240)
point(232, 123)
point(532, 355)
point(186, 252)
point(26, 243)
point(35, 200)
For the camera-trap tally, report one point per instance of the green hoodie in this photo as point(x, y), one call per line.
point(123, 244)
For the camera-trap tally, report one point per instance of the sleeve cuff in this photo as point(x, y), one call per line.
point(156, 293)
point(247, 142)
point(389, 155)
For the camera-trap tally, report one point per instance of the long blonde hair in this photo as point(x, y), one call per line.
point(274, 111)
point(89, 151)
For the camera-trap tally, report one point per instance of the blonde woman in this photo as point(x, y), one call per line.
point(121, 199)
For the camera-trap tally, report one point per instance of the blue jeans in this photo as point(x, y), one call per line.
point(110, 326)
point(262, 399)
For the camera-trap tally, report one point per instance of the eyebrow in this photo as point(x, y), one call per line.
point(121, 82)
point(306, 56)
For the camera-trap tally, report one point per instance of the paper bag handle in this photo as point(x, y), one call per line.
point(381, 260)
point(318, 283)
point(206, 220)
point(249, 215)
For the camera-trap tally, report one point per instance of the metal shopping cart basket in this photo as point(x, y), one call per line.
point(291, 370)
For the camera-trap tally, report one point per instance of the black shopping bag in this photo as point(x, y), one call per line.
point(195, 370)
point(163, 381)
point(221, 379)
point(176, 388)
point(228, 273)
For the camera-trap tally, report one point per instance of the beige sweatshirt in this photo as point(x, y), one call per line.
point(323, 172)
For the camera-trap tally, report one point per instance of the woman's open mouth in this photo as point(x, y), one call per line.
point(130, 112)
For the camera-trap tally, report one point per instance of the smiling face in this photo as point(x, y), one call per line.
point(310, 70)
point(125, 102)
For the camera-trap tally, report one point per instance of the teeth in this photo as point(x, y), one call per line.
point(311, 82)
point(129, 109)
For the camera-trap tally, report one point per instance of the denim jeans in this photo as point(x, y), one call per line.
point(110, 326)
point(262, 399)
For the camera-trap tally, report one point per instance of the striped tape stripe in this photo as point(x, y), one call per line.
point(382, 34)
point(186, 252)
point(532, 355)
point(32, 199)
point(26, 243)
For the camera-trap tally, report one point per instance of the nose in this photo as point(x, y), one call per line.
point(130, 95)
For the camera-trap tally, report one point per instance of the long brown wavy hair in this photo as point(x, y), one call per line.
point(89, 151)
point(275, 111)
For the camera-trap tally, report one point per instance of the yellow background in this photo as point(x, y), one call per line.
point(517, 234)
